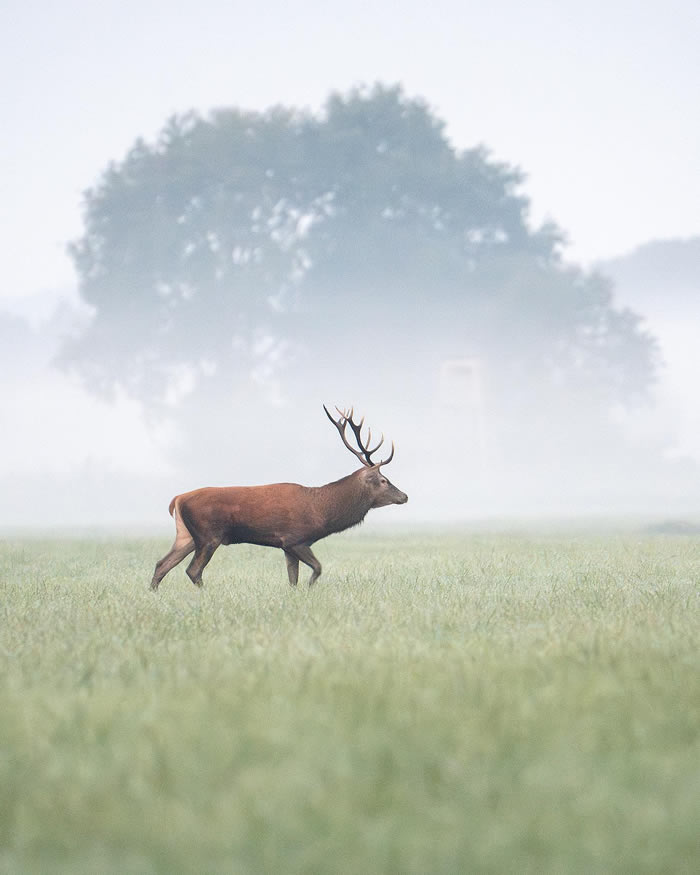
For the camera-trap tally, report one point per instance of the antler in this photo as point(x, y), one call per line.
point(364, 454)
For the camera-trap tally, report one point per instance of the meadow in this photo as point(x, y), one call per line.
point(438, 703)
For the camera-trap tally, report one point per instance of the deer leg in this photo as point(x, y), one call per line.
point(202, 556)
point(183, 545)
point(292, 567)
point(307, 557)
point(170, 560)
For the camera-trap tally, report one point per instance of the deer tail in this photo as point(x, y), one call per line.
point(172, 505)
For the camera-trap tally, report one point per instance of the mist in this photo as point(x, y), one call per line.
point(353, 256)
point(465, 452)
point(208, 236)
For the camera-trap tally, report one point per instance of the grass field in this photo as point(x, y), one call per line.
point(437, 704)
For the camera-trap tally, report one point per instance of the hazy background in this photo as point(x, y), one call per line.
point(401, 267)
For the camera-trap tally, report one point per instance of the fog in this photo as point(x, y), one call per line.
point(503, 280)
point(465, 452)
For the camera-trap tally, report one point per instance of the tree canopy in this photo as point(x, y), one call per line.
point(246, 254)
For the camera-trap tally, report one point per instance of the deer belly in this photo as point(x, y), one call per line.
point(241, 534)
point(272, 523)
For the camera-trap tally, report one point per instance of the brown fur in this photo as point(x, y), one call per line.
point(284, 515)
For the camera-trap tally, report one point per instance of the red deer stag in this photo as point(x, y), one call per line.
point(284, 515)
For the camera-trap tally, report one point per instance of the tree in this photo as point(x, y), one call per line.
point(250, 257)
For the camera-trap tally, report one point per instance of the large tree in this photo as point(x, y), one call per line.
point(247, 256)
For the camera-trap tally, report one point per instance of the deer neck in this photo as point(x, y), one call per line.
point(345, 503)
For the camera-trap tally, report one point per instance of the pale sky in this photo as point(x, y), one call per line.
point(597, 102)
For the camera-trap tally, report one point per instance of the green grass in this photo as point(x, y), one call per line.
point(437, 704)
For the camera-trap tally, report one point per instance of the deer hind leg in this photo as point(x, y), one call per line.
point(202, 555)
point(183, 546)
point(307, 557)
point(168, 562)
point(292, 567)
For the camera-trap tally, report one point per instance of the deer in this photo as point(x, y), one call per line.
point(284, 515)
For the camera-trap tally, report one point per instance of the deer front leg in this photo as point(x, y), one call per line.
point(292, 567)
point(304, 553)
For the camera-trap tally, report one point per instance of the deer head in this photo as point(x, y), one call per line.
point(378, 488)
